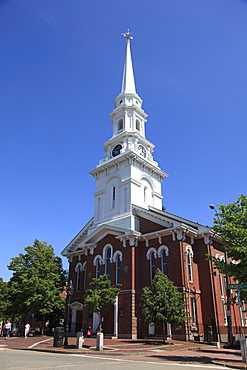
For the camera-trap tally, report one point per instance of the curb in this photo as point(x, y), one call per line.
point(230, 365)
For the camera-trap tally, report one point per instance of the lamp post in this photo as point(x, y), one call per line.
point(69, 291)
point(228, 310)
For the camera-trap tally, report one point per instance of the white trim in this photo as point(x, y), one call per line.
point(95, 260)
point(161, 248)
point(189, 250)
point(220, 257)
point(150, 251)
point(104, 252)
point(79, 266)
point(116, 254)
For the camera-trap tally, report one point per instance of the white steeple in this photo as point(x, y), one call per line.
point(128, 82)
point(128, 174)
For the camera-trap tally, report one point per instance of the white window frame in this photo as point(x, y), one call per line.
point(78, 269)
point(163, 249)
point(189, 261)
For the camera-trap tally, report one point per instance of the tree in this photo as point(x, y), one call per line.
point(37, 282)
point(162, 302)
point(230, 223)
point(4, 301)
point(101, 297)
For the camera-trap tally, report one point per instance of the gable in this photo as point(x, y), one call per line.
point(147, 226)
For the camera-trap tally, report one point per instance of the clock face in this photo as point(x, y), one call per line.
point(142, 151)
point(116, 150)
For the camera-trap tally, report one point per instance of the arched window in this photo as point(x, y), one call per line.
point(117, 258)
point(145, 194)
point(151, 255)
point(163, 252)
point(78, 270)
point(84, 268)
point(113, 197)
point(189, 254)
point(97, 272)
point(97, 262)
point(118, 269)
point(108, 263)
point(163, 262)
point(120, 125)
point(125, 199)
point(223, 295)
point(138, 124)
point(152, 266)
point(98, 209)
point(107, 258)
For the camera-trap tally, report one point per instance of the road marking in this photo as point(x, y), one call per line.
point(42, 341)
point(150, 362)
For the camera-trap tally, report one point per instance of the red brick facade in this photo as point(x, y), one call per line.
point(203, 286)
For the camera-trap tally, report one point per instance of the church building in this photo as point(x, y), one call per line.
point(131, 235)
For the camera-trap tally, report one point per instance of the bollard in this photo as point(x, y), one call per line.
point(243, 348)
point(79, 339)
point(58, 337)
point(99, 342)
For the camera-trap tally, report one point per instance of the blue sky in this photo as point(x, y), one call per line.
point(61, 67)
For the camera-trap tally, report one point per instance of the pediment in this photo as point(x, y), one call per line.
point(76, 306)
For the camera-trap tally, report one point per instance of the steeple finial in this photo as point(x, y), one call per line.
point(127, 35)
point(128, 82)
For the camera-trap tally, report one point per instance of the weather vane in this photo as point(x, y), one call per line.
point(127, 35)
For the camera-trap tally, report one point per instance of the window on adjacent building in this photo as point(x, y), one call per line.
point(223, 295)
point(193, 309)
point(243, 315)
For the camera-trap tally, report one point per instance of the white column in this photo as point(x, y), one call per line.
point(73, 321)
point(169, 330)
point(95, 322)
point(151, 329)
point(116, 317)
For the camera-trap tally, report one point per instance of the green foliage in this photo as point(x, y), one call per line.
point(230, 224)
point(4, 301)
point(37, 282)
point(162, 302)
point(102, 296)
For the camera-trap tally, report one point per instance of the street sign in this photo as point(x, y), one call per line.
point(237, 286)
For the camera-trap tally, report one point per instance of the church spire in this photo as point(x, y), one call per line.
point(128, 82)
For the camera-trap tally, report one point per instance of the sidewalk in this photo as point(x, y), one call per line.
point(143, 350)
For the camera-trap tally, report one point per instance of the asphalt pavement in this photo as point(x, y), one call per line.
point(141, 349)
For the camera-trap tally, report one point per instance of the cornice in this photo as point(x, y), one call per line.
point(125, 134)
point(131, 158)
point(78, 238)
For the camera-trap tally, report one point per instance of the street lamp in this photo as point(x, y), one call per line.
point(69, 291)
point(228, 311)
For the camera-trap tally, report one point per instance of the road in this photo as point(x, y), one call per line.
point(20, 360)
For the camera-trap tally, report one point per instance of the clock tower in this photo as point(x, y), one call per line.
point(128, 174)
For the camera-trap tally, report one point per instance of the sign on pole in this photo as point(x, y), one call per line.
point(237, 286)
